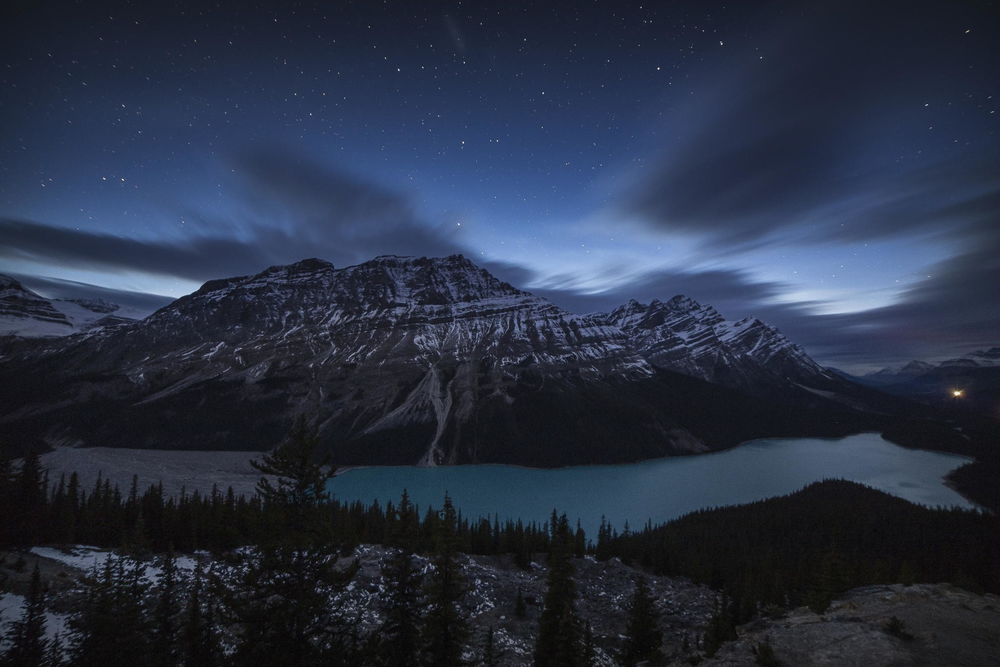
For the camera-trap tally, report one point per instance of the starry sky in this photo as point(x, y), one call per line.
point(832, 168)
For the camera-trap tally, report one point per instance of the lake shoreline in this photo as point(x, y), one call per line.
point(200, 471)
point(755, 470)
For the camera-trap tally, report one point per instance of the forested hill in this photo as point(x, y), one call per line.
point(809, 546)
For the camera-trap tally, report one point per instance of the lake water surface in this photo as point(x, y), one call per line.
point(663, 489)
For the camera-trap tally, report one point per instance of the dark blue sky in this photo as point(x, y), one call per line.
point(832, 168)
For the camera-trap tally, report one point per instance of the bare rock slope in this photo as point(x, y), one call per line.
point(938, 625)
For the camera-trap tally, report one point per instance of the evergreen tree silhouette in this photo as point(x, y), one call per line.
point(445, 629)
point(281, 600)
point(643, 636)
point(559, 641)
point(399, 639)
point(165, 614)
point(111, 628)
point(27, 635)
point(490, 653)
point(200, 645)
point(520, 610)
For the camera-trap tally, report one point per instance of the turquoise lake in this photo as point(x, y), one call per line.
point(663, 489)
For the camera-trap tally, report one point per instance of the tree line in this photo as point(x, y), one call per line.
point(272, 601)
point(38, 511)
point(266, 598)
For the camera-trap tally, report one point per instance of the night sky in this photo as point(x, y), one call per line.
point(833, 169)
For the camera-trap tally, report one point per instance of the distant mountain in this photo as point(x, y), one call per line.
point(893, 374)
point(981, 359)
point(890, 375)
point(975, 377)
point(28, 314)
point(417, 360)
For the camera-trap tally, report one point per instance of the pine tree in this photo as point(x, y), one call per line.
point(282, 597)
point(589, 650)
point(111, 627)
point(7, 527)
point(643, 636)
point(293, 484)
point(55, 657)
point(405, 532)
point(63, 510)
point(721, 627)
point(200, 645)
point(27, 635)
point(490, 653)
point(73, 507)
point(445, 629)
point(764, 654)
point(400, 635)
point(29, 500)
point(579, 541)
point(559, 642)
point(165, 613)
point(907, 573)
point(520, 609)
point(829, 580)
point(603, 548)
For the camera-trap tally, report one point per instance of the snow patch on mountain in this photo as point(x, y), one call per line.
point(410, 360)
point(687, 337)
point(27, 314)
point(915, 369)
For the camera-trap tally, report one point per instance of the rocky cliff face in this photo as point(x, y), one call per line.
point(684, 336)
point(409, 360)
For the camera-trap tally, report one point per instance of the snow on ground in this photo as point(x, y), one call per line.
point(11, 609)
point(87, 558)
point(493, 584)
point(79, 556)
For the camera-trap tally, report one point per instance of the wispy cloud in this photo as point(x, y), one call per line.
point(290, 208)
point(802, 139)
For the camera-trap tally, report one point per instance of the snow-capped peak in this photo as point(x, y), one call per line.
point(685, 336)
point(27, 314)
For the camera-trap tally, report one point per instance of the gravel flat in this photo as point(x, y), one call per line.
point(190, 470)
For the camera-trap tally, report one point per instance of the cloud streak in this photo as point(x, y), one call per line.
point(291, 208)
point(811, 142)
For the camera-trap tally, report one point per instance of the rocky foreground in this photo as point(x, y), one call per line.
point(880, 625)
point(493, 586)
point(604, 590)
point(922, 624)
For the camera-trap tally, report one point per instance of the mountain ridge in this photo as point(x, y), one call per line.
point(970, 382)
point(421, 360)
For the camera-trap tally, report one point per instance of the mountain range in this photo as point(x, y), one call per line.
point(403, 360)
point(972, 381)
